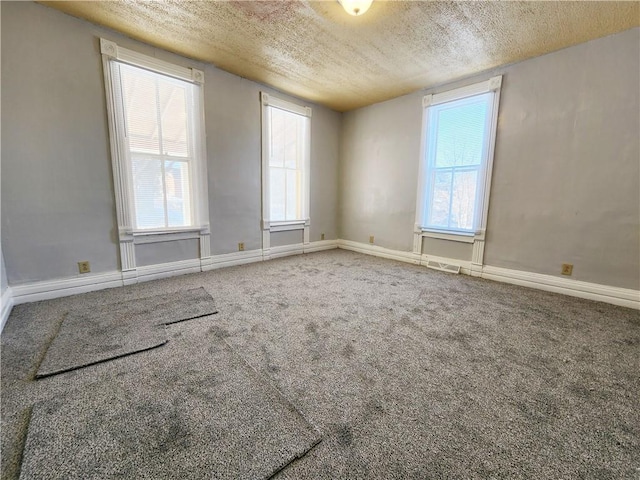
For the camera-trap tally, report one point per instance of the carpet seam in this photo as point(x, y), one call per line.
point(190, 318)
point(289, 403)
point(34, 374)
point(78, 367)
point(294, 459)
point(260, 377)
point(23, 441)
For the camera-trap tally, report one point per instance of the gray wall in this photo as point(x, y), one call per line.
point(58, 202)
point(3, 274)
point(378, 172)
point(566, 181)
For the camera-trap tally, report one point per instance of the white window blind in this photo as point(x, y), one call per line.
point(158, 113)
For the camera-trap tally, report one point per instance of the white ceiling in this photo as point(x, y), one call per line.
point(314, 50)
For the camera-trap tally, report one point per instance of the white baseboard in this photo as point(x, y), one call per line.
point(575, 288)
point(377, 251)
point(233, 259)
point(35, 291)
point(46, 290)
point(320, 246)
point(285, 251)
point(171, 269)
point(7, 304)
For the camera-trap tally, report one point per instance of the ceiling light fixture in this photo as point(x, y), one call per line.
point(355, 7)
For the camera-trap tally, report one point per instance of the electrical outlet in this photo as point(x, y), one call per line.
point(322, 236)
point(370, 238)
point(567, 269)
point(241, 247)
point(84, 267)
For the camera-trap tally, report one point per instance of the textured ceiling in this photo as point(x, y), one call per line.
point(314, 50)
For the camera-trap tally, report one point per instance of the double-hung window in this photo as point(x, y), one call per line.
point(458, 141)
point(156, 126)
point(285, 163)
point(158, 122)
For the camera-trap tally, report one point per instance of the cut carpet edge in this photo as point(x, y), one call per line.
point(14, 467)
point(78, 367)
point(264, 379)
point(297, 457)
point(173, 322)
point(314, 436)
point(199, 303)
point(33, 375)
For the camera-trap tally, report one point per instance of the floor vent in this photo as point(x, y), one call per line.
point(444, 267)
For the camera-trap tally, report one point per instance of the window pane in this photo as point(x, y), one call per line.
point(141, 111)
point(292, 147)
point(285, 164)
point(277, 188)
point(278, 134)
point(178, 193)
point(172, 102)
point(460, 134)
point(148, 191)
point(464, 199)
point(440, 199)
point(293, 210)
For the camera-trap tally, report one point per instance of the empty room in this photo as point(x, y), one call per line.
point(310, 239)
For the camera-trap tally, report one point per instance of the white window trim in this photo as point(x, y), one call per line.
point(454, 237)
point(493, 84)
point(128, 236)
point(267, 100)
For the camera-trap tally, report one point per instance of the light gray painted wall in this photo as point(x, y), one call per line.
point(149, 253)
point(279, 239)
point(3, 274)
point(447, 249)
point(232, 113)
point(57, 191)
point(566, 182)
point(378, 172)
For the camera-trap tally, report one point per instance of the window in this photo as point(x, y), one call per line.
point(158, 117)
point(286, 149)
point(156, 121)
point(458, 141)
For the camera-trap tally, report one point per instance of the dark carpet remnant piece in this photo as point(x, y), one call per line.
point(111, 331)
point(218, 421)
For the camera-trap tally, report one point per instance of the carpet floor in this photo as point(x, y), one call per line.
point(227, 424)
point(405, 372)
point(99, 334)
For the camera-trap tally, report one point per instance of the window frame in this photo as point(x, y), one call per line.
point(121, 163)
point(268, 101)
point(493, 86)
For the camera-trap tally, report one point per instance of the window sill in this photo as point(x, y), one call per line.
point(286, 226)
point(451, 236)
point(165, 235)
